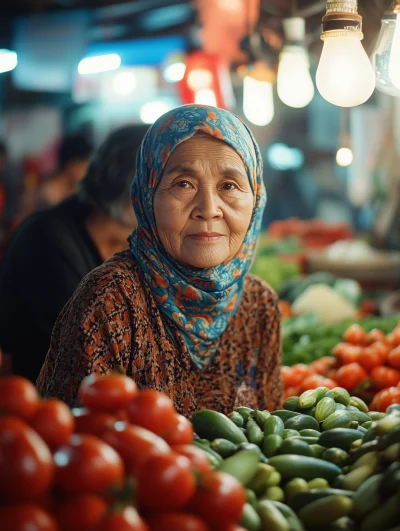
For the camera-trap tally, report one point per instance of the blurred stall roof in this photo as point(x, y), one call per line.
point(151, 17)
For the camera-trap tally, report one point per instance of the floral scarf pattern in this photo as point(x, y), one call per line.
point(200, 303)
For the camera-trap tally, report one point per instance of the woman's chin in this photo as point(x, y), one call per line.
point(203, 262)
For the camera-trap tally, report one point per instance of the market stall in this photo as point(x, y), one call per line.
point(125, 460)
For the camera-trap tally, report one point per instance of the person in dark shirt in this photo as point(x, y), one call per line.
point(54, 249)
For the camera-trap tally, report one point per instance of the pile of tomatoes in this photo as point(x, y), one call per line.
point(366, 364)
point(122, 462)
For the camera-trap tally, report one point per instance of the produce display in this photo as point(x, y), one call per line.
point(323, 462)
point(122, 462)
point(365, 363)
point(305, 339)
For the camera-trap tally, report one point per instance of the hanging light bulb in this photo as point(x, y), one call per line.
point(386, 56)
point(344, 155)
point(294, 83)
point(345, 76)
point(258, 97)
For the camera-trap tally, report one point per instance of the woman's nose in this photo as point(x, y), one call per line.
point(207, 205)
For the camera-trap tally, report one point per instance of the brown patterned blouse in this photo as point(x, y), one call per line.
point(113, 320)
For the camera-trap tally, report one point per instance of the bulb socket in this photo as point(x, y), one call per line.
point(341, 19)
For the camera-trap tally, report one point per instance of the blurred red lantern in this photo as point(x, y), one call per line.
point(207, 81)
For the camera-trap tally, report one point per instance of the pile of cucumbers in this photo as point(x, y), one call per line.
point(323, 462)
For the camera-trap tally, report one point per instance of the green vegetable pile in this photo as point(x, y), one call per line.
point(322, 463)
point(304, 339)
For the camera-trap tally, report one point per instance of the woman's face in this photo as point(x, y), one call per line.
point(204, 202)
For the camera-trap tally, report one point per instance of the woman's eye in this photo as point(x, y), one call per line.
point(182, 184)
point(229, 187)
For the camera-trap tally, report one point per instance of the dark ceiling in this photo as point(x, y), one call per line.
point(152, 17)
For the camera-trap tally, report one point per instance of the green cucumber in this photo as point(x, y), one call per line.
point(384, 517)
point(358, 415)
point(366, 498)
point(371, 435)
point(371, 446)
point(295, 446)
point(302, 422)
point(236, 418)
point(294, 487)
point(318, 483)
point(274, 493)
point(321, 513)
point(341, 396)
point(223, 447)
point(394, 408)
point(285, 414)
point(294, 523)
point(317, 450)
point(245, 412)
point(304, 498)
point(338, 419)
point(354, 479)
point(354, 424)
point(291, 403)
point(271, 444)
point(336, 456)
point(251, 498)
point(214, 458)
point(261, 417)
point(287, 434)
point(310, 433)
point(248, 446)
point(271, 517)
point(273, 426)
point(299, 466)
point(323, 392)
point(358, 403)
point(391, 482)
point(261, 479)
point(387, 424)
point(253, 432)
point(308, 399)
point(250, 519)
point(241, 466)
point(376, 415)
point(339, 438)
point(308, 440)
point(212, 425)
point(324, 408)
point(389, 438)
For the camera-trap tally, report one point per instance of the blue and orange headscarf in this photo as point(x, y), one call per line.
point(201, 303)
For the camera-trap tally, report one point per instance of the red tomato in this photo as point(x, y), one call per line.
point(395, 337)
point(87, 465)
point(300, 371)
point(92, 422)
point(219, 499)
point(134, 444)
point(354, 335)
point(107, 393)
point(26, 464)
point(350, 376)
point(18, 397)
point(323, 365)
point(339, 349)
point(383, 377)
point(180, 431)
point(54, 422)
point(382, 349)
point(385, 398)
point(26, 517)
point(374, 336)
point(80, 513)
point(394, 358)
point(152, 410)
point(292, 391)
point(197, 457)
point(233, 527)
point(176, 522)
point(312, 382)
point(287, 374)
point(127, 520)
point(165, 482)
point(350, 354)
point(370, 358)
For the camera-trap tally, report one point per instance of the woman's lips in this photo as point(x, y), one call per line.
point(206, 236)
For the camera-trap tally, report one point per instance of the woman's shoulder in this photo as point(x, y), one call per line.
point(119, 273)
point(256, 289)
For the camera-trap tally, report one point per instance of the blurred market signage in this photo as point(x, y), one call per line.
point(49, 47)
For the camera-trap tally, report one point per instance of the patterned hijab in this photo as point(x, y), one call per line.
point(201, 303)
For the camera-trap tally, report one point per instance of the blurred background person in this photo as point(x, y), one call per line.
point(74, 155)
point(54, 249)
point(9, 191)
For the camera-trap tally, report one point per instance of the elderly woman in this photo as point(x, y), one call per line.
point(179, 311)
